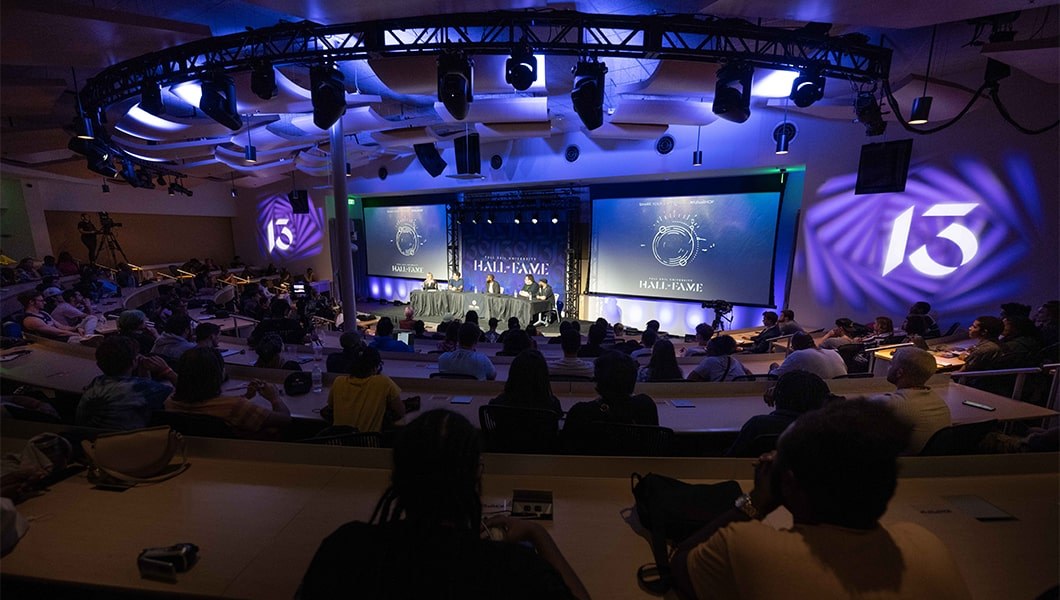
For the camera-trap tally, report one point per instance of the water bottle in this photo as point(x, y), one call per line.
point(318, 379)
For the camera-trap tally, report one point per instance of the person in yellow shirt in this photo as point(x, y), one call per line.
point(365, 399)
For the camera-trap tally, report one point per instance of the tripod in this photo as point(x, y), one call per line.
point(108, 240)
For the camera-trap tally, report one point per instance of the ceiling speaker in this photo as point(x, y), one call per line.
point(496, 162)
point(383, 173)
point(665, 145)
point(572, 153)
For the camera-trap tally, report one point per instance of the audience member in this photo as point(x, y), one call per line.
point(67, 265)
point(270, 354)
point(175, 339)
point(594, 347)
point(806, 356)
point(419, 330)
point(48, 268)
point(882, 332)
point(794, 394)
point(787, 323)
point(912, 399)
point(616, 377)
point(514, 343)
point(384, 340)
point(26, 271)
point(207, 335)
point(647, 343)
point(1021, 344)
point(703, 334)
point(923, 309)
point(365, 398)
point(426, 536)
point(720, 364)
point(71, 310)
point(409, 321)
point(126, 394)
point(570, 364)
point(491, 335)
point(452, 335)
point(986, 352)
point(133, 324)
point(1015, 309)
point(609, 332)
point(840, 335)
point(916, 329)
point(1047, 319)
point(513, 325)
point(291, 331)
point(835, 470)
point(342, 361)
point(527, 385)
point(201, 394)
point(466, 359)
point(761, 343)
point(38, 321)
point(663, 364)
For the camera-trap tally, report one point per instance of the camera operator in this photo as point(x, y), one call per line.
point(88, 236)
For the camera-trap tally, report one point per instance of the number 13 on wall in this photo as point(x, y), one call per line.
point(286, 237)
point(920, 259)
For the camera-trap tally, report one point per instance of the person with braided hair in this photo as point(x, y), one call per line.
point(427, 538)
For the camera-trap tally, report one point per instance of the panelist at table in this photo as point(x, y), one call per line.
point(492, 287)
point(529, 287)
point(456, 282)
point(430, 283)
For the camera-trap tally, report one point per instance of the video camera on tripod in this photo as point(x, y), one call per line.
point(721, 308)
point(106, 223)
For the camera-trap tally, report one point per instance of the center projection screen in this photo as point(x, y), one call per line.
point(406, 241)
point(703, 247)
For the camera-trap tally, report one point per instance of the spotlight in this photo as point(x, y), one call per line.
point(99, 155)
point(84, 128)
point(868, 114)
point(807, 88)
point(555, 218)
point(697, 158)
point(218, 101)
point(520, 71)
point(783, 134)
point(533, 218)
point(518, 218)
point(128, 173)
point(263, 81)
point(151, 98)
point(730, 103)
point(327, 87)
point(455, 87)
point(234, 192)
point(143, 176)
point(587, 96)
point(489, 219)
point(250, 153)
point(475, 218)
point(349, 170)
point(921, 110)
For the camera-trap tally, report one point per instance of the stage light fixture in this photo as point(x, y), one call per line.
point(807, 88)
point(151, 98)
point(518, 218)
point(234, 192)
point(587, 95)
point(250, 153)
point(327, 87)
point(922, 105)
point(555, 218)
point(172, 189)
point(520, 71)
point(730, 103)
point(533, 218)
point(349, 170)
point(83, 125)
point(263, 81)
point(455, 83)
point(869, 114)
point(489, 219)
point(475, 218)
point(99, 156)
point(697, 154)
point(218, 100)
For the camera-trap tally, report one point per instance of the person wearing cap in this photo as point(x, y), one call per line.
point(133, 324)
point(841, 335)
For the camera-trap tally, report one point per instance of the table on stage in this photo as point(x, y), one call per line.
point(443, 302)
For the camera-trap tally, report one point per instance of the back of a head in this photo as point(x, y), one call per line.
point(206, 383)
point(492, 322)
point(800, 391)
point(452, 332)
point(515, 342)
point(920, 308)
point(723, 345)
point(570, 341)
point(365, 362)
point(469, 334)
point(116, 355)
point(270, 346)
point(131, 320)
point(884, 324)
point(26, 297)
point(528, 379)
point(597, 333)
point(435, 479)
point(1020, 326)
point(178, 324)
point(649, 337)
point(1015, 309)
point(802, 341)
point(564, 326)
point(918, 365)
point(471, 316)
point(384, 327)
point(68, 295)
point(513, 323)
point(844, 457)
point(278, 308)
point(206, 330)
point(652, 325)
point(916, 324)
point(350, 340)
point(419, 327)
point(615, 374)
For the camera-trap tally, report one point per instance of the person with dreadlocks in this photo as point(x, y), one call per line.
point(427, 537)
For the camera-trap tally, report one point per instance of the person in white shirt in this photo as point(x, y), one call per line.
point(806, 356)
point(67, 313)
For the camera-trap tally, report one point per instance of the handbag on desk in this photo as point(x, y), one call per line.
point(126, 458)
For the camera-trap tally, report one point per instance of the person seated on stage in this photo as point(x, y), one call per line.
point(840, 335)
point(570, 364)
point(456, 282)
point(663, 364)
point(452, 337)
point(515, 342)
point(48, 268)
point(270, 354)
point(38, 321)
point(986, 353)
point(835, 470)
point(430, 283)
point(26, 271)
point(594, 346)
point(527, 385)
point(806, 356)
point(290, 330)
point(201, 394)
point(67, 265)
point(616, 377)
point(1047, 320)
point(912, 400)
point(924, 309)
point(466, 359)
point(703, 334)
point(175, 339)
point(787, 323)
point(492, 287)
point(133, 324)
point(719, 364)
point(513, 325)
point(647, 343)
point(427, 537)
point(544, 291)
point(408, 321)
point(384, 338)
point(342, 361)
point(761, 343)
point(529, 287)
point(793, 395)
point(126, 394)
point(364, 397)
point(491, 335)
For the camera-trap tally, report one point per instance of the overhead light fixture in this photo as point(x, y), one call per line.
point(349, 170)
point(587, 95)
point(807, 88)
point(518, 218)
point(177, 188)
point(218, 100)
point(250, 153)
point(869, 114)
point(474, 219)
point(327, 86)
point(697, 155)
point(106, 188)
point(234, 192)
point(83, 126)
point(922, 105)
point(730, 103)
point(489, 219)
point(520, 71)
point(99, 156)
point(263, 81)
point(533, 218)
point(128, 173)
point(151, 98)
point(455, 83)
point(555, 217)
point(782, 135)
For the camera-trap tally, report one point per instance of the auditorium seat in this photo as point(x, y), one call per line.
point(517, 429)
point(624, 439)
point(193, 423)
point(958, 439)
point(443, 375)
point(344, 435)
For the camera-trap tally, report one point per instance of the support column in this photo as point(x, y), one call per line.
point(344, 270)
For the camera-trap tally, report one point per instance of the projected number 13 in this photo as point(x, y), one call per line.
point(280, 235)
point(921, 259)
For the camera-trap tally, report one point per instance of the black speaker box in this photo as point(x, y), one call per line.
point(299, 200)
point(884, 167)
point(468, 158)
point(430, 159)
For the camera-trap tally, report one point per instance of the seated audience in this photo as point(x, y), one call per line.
point(365, 398)
point(923, 309)
point(38, 321)
point(452, 335)
point(787, 323)
point(513, 325)
point(986, 352)
point(72, 309)
point(67, 265)
point(1047, 319)
point(916, 329)
point(342, 361)
point(270, 354)
point(806, 356)
point(126, 394)
point(1020, 343)
point(616, 377)
point(1015, 309)
point(207, 335)
point(409, 321)
point(570, 364)
point(48, 268)
point(291, 331)
point(647, 343)
point(427, 538)
point(133, 324)
point(26, 271)
point(201, 394)
point(419, 330)
point(527, 385)
point(594, 346)
point(491, 335)
point(720, 364)
point(840, 335)
point(514, 343)
point(175, 338)
point(703, 334)
point(793, 395)
point(466, 359)
point(882, 332)
point(663, 364)
point(835, 470)
point(912, 399)
point(384, 340)
point(761, 343)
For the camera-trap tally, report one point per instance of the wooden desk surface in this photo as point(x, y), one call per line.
point(258, 523)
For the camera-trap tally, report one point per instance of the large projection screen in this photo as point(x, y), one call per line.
point(406, 241)
point(692, 247)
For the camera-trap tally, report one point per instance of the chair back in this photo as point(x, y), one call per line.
point(193, 423)
point(850, 353)
point(767, 442)
point(444, 375)
point(570, 378)
point(755, 377)
point(958, 439)
point(517, 429)
point(624, 439)
point(345, 435)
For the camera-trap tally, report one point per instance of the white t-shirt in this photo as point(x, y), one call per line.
point(826, 364)
point(922, 407)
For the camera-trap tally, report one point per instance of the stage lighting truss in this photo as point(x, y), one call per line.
point(807, 88)
point(732, 103)
point(455, 83)
point(587, 95)
point(520, 71)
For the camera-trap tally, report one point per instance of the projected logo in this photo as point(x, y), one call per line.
point(677, 242)
point(957, 237)
point(285, 235)
point(407, 238)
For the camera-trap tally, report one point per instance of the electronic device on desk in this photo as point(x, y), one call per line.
point(532, 504)
point(298, 289)
point(408, 337)
point(164, 563)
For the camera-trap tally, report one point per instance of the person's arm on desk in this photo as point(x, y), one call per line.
point(281, 415)
point(156, 368)
point(518, 530)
